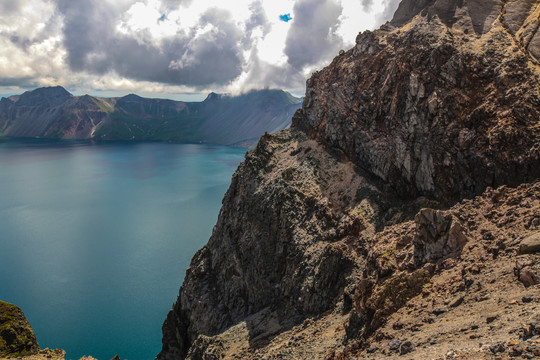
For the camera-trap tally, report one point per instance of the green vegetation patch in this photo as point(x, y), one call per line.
point(16, 335)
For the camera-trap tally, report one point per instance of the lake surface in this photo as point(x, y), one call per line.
point(95, 239)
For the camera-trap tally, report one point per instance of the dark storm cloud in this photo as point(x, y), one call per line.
point(93, 45)
point(312, 37)
point(213, 57)
point(21, 81)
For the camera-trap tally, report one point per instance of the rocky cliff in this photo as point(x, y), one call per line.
point(443, 106)
point(328, 235)
point(230, 120)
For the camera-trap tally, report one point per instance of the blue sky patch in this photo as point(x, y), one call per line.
point(285, 17)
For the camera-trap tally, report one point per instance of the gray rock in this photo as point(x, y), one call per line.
point(394, 345)
point(497, 348)
point(457, 301)
point(439, 311)
point(372, 350)
point(527, 269)
point(408, 129)
point(530, 244)
point(406, 348)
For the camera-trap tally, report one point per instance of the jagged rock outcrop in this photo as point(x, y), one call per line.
point(16, 335)
point(231, 120)
point(316, 248)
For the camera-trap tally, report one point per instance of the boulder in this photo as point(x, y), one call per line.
point(438, 234)
point(530, 244)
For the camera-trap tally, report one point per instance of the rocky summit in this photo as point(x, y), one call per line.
point(399, 215)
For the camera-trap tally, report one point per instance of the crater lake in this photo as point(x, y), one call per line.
point(95, 239)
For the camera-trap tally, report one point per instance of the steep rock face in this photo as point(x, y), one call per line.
point(311, 251)
point(280, 244)
point(16, 335)
point(433, 108)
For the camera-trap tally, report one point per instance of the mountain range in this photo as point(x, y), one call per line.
point(52, 112)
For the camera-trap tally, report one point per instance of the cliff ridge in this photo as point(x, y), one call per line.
point(387, 218)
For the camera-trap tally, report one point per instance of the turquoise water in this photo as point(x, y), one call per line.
point(95, 239)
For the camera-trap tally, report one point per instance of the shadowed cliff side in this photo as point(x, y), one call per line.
point(312, 250)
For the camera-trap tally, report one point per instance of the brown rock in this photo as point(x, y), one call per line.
point(530, 244)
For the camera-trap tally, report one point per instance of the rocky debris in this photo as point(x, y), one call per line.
point(467, 299)
point(16, 335)
point(205, 348)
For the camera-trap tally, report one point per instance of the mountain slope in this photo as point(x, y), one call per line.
point(315, 253)
point(220, 119)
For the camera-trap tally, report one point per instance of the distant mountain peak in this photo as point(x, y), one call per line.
point(213, 96)
point(132, 97)
point(45, 96)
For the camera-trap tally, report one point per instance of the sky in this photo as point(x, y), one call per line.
point(178, 49)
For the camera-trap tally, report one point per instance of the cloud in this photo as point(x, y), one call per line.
point(168, 5)
point(208, 54)
point(257, 20)
point(312, 37)
point(176, 45)
point(366, 4)
point(390, 7)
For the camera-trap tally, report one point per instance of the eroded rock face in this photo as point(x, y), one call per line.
point(436, 108)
